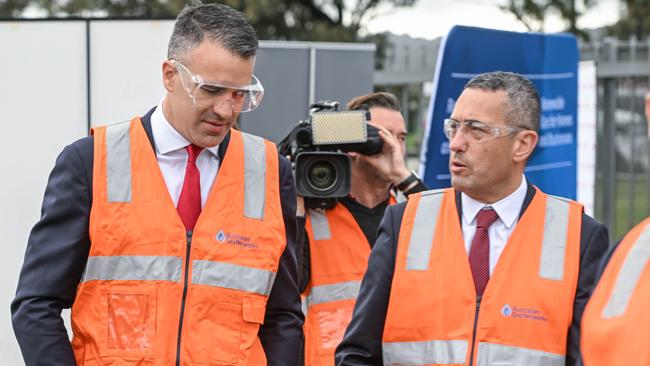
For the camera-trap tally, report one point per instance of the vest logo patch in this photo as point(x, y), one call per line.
point(523, 313)
point(235, 239)
point(506, 310)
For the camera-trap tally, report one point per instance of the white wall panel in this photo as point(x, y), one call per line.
point(42, 109)
point(126, 67)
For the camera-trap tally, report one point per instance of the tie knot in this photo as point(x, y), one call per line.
point(193, 152)
point(486, 217)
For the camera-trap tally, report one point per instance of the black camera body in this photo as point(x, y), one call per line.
point(317, 149)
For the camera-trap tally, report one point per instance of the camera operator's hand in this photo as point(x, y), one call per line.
point(389, 164)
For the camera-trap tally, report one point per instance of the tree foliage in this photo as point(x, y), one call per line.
point(308, 20)
point(533, 13)
point(634, 22)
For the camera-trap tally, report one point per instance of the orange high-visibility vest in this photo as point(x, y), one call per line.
point(616, 322)
point(339, 254)
point(152, 294)
point(523, 317)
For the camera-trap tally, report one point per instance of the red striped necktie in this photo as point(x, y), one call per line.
point(479, 253)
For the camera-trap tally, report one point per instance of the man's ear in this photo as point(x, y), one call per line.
point(169, 75)
point(524, 145)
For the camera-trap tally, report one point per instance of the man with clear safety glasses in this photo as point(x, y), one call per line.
point(491, 271)
point(171, 236)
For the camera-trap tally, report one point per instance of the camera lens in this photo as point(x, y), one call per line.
point(322, 175)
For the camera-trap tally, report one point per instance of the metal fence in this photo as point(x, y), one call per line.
point(623, 154)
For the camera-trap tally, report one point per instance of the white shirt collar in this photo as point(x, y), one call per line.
point(166, 138)
point(507, 208)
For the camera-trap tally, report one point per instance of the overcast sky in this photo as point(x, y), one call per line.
point(434, 18)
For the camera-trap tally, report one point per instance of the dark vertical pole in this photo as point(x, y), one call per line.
point(88, 75)
point(647, 182)
point(609, 155)
point(631, 177)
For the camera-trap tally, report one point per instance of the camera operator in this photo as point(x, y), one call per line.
point(336, 242)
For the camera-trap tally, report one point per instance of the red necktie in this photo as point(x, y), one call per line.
point(189, 203)
point(479, 254)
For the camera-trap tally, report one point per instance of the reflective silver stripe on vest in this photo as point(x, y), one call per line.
point(118, 162)
point(556, 226)
point(233, 276)
point(424, 353)
point(320, 225)
point(636, 261)
point(424, 227)
point(136, 268)
point(254, 176)
point(490, 354)
point(334, 292)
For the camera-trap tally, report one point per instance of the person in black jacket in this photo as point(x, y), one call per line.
point(334, 260)
point(492, 131)
point(208, 80)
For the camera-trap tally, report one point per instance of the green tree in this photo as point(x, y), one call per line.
point(308, 20)
point(635, 20)
point(533, 13)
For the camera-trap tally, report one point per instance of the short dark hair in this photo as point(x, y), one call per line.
point(215, 22)
point(523, 109)
point(381, 100)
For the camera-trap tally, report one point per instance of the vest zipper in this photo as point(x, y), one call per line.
point(188, 236)
point(478, 306)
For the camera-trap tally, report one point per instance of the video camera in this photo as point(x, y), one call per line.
point(317, 149)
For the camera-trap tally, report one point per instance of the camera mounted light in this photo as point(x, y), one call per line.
point(339, 127)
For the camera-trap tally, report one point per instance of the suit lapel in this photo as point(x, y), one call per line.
point(146, 123)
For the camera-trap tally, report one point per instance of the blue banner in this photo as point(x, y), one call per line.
point(550, 61)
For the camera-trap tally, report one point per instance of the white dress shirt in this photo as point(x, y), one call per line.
point(172, 157)
point(499, 232)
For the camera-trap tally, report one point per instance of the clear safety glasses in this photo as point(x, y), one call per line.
point(475, 131)
point(213, 95)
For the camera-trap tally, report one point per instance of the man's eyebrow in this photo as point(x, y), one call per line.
point(473, 120)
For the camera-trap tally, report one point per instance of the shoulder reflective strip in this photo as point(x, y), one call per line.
point(254, 176)
point(320, 225)
point(425, 353)
point(136, 268)
point(118, 162)
point(424, 228)
point(556, 226)
point(498, 354)
point(636, 261)
point(335, 292)
point(233, 276)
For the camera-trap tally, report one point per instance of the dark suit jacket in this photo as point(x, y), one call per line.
point(362, 342)
point(58, 248)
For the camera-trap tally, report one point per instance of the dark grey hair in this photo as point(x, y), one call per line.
point(380, 99)
point(523, 106)
point(215, 22)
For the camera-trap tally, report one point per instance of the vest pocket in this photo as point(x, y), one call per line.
point(254, 309)
point(227, 331)
point(331, 320)
point(130, 321)
point(237, 328)
point(253, 313)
